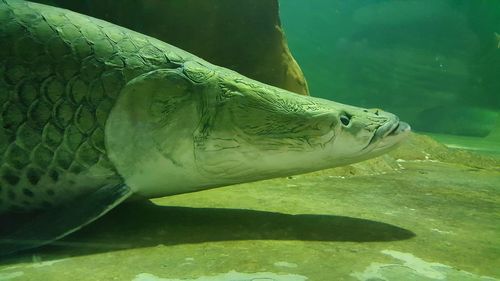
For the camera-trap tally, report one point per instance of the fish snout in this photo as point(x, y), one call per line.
point(402, 127)
point(390, 128)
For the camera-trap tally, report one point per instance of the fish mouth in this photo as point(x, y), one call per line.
point(390, 130)
point(401, 127)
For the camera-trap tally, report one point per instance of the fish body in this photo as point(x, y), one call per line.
point(93, 113)
point(60, 76)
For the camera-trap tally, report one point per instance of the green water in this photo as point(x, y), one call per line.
point(433, 62)
point(422, 212)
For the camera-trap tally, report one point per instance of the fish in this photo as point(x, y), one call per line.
point(94, 114)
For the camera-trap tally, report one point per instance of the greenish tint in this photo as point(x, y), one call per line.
point(434, 63)
point(243, 35)
point(179, 124)
point(410, 222)
point(422, 212)
point(60, 73)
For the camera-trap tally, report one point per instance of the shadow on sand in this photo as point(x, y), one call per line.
point(146, 224)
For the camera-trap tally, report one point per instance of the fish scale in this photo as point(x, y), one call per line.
point(93, 114)
point(60, 74)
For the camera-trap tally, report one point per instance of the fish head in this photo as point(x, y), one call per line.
point(199, 126)
point(273, 129)
point(363, 133)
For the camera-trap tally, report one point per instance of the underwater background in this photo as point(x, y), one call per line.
point(433, 62)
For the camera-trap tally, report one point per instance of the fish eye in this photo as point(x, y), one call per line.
point(345, 120)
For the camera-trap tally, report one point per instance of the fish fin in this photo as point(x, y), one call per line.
point(59, 222)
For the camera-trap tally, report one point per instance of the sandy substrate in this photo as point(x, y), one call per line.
point(420, 214)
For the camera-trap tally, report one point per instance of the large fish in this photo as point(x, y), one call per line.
point(93, 114)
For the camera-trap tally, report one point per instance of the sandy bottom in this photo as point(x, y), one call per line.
point(425, 220)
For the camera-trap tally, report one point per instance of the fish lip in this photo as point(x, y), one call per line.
point(390, 128)
point(402, 127)
point(384, 130)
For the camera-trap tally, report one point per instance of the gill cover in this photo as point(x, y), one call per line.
point(149, 132)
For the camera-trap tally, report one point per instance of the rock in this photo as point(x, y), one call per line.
point(417, 148)
point(244, 35)
point(424, 148)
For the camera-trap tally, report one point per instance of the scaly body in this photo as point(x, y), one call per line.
point(60, 75)
point(93, 113)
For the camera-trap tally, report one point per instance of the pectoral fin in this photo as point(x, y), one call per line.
point(51, 225)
